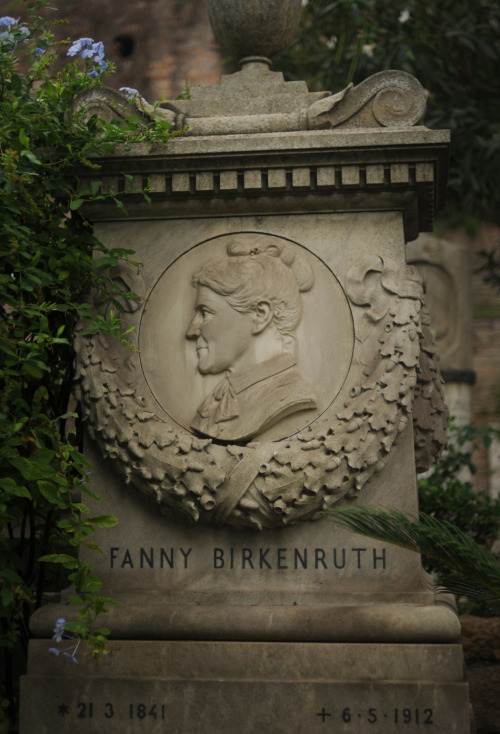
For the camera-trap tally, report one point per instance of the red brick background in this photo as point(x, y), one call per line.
point(156, 45)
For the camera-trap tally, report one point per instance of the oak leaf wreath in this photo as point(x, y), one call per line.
point(394, 378)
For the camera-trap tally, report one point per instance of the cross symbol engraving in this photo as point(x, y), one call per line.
point(63, 709)
point(323, 713)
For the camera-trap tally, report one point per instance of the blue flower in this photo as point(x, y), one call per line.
point(68, 652)
point(8, 21)
point(39, 52)
point(77, 46)
point(9, 35)
point(59, 629)
point(129, 92)
point(98, 50)
point(96, 72)
point(132, 93)
point(92, 50)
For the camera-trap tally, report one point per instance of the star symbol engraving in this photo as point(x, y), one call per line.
point(63, 709)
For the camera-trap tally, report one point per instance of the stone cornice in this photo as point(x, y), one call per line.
point(316, 171)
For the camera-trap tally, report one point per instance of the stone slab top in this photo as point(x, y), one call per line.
point(344, 139)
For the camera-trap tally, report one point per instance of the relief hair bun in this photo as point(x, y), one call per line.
point(262, 246)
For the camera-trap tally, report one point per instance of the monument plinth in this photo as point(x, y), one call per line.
point(283, 365)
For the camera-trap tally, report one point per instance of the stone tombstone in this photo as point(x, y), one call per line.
point(446, 273)
point(282, 365)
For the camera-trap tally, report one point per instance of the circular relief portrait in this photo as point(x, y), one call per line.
point(247, 336)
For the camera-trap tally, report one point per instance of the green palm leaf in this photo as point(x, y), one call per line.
point(474, 571)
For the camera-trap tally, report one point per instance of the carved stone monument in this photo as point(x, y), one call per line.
point(446, 273)
point(283, 365)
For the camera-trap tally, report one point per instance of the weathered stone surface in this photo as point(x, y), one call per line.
point(312, 582)
point(256, 100)
point(261, 28)
point(299, 624)
point(336, 427)
point(263, 175)
point(219, 687)
point(446, 271)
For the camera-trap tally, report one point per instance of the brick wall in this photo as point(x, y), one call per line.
point(156, 45)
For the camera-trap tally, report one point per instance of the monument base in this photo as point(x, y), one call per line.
point(192, 687)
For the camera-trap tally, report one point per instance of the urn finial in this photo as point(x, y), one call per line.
point(254, 28)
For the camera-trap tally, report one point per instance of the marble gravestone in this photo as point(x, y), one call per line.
point(283, 365)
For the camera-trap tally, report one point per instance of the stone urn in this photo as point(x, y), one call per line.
point(245, 28)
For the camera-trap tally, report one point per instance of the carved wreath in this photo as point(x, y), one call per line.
point(260, 485)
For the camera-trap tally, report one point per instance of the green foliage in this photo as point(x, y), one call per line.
point(451, 47)
point(471, 569)
point(455, 527)
point(490, 268)
point(446, 495)
point(48, 270)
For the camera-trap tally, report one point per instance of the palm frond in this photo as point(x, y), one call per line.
point(475, 572)
point(460, 586)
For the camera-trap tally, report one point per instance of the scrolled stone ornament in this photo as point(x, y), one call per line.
point(273, 484)
point(386, 99)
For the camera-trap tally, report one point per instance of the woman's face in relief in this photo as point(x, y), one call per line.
point(223, 335)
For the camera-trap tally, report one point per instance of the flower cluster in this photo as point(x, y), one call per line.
point(10, 31)
point(58, 636)
point(87, 48)
point(132, 94)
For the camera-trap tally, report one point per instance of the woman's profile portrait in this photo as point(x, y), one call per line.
point(247, 310)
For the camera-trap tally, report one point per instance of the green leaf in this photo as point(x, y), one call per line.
point(31, 157)
point(16, 83)
point(11, 577)
point(61, 558)
point(95, 186)
point(34, 370)
point(102, 521)
point(6, 597)
point(30, 470)
point(93, 546)
point(10, 485)
point(51, 492)
point(24, 139)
